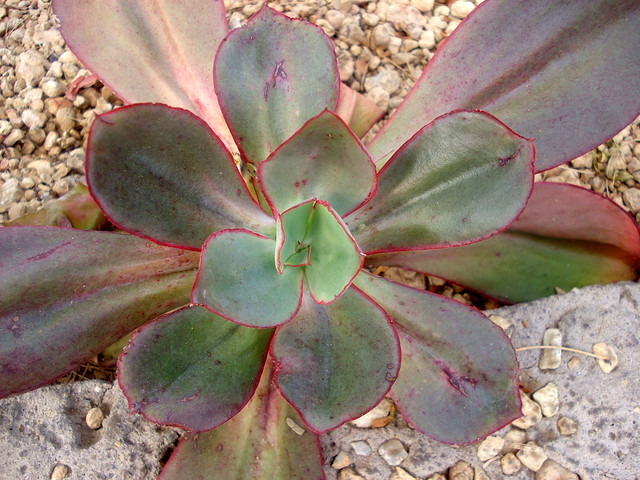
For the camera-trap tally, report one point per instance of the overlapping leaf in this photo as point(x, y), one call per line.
point(335, 362)
point(172, 181)
point(271, 76)
point(458, 377)
point(459, 179)
point(182, 369)
point(151, 50)
point(566, 237)
point(265, 440)
point(62, 286)
point(322, 160)
point(357, 111)
point(537, 65)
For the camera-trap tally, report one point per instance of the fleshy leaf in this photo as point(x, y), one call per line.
point(238, 280)
point(183, 368)
point(322, 160)
point(357, 111)
point(335, 362)
point(75, 209)
point(172, 62)
point(271, 76)
point(565, 73)
point(316, 237)
point(173, 181)
point(458, 378)
point(62, 286)
point(461, 178)
point(567, 237)
point(262, 442)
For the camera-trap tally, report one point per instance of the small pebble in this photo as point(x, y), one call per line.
point(94, 418)
point(401, 474)
point(567, 426)
point(341, 461)
point(551, 359)
point(531, 413)
point(531, 456)
point(551, 470)
point(460, 9)
point(349, 474)
point(480, 474)
point(461, 471)
point(381, 415)
point(361, 448)
point(573, 363)
point(293, 425)
point(510, 464)
point(514, 439)
point(437, 476)
point(393, 452)
point(547, 398)
point(490, 447)
point(607, 365)
point(59, 472)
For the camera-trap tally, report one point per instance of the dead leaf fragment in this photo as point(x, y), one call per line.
point(611, 361)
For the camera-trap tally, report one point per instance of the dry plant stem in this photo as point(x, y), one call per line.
point(551, 347)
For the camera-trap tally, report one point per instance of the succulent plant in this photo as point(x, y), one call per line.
point(253, 210)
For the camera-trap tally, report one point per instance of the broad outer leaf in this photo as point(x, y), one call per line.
point(335, 362)
point(271, 76)
point(566, 73)
point(238, 280)
point(258, 443)
point(458, 378)
point(68, 294)
point(566, 237)
point(151, 50)
point(75, 209)
point(357, 111)
point(322, 160)
point(172, 181)
point(316, 237)
point(461, 178)
point(192, 368)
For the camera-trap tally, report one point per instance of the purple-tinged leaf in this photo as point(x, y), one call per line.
point(322, 160)
point(183, 368)
point(314, 236)
point(63, 286)
point(357, 111)
point(463, 177)
point(566, 73)
point(173, 181)
point(458, 378)
point(271, 76)
point(158, 51)
point(336, 362)
point(238, 280)
point(76, 209)
point(266, 440)
point(566, 237)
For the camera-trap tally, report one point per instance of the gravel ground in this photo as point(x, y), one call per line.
point(48, 99)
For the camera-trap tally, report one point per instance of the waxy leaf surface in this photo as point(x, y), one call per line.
point(258, 443)
point(151, 50)
point(172, 180)
point(458, 377)
point(565, 73)
point(335, 362)
point(322, 160)
point(63, 286)
point(566, 237)
point(192, 368)
point(238, 280)
point(357, 111)
point(316, 239)
point(271, 76)
point(461, 178)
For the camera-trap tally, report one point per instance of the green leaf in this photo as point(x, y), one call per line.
point(314, 237)
point(151, 51)
point(69, 294)
point(173, 181)
point(258, 443)
point(238, 280)
point(567, 237)
point(565, 73)
point(357, 111)
point(461, 178)
point(322, 160)
point(271, 76)
point(182, 369)
point(458, 378)
point(75, 209)
point(336, 362)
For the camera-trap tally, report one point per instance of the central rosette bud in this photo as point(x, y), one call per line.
point(311, 236)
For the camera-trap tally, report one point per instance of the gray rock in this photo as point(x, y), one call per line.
point(9, 194)
point(632, 198)
point(47, 427)
point(393, 452)
point(389, 80)
point(30, 67)
point(361, 448)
